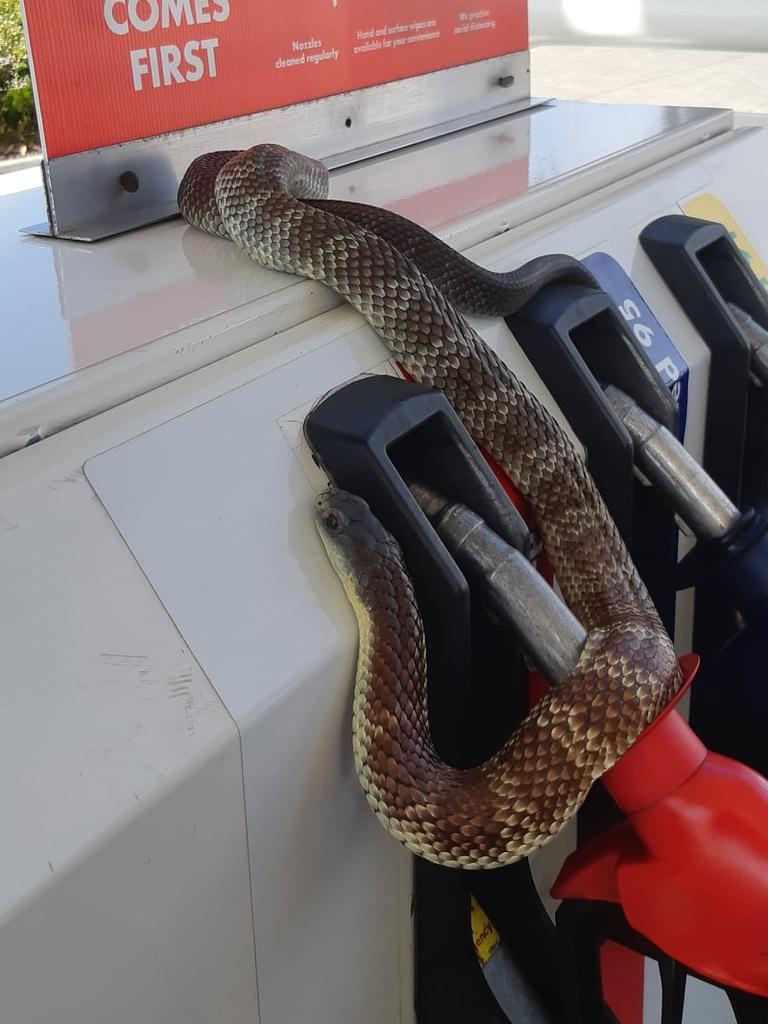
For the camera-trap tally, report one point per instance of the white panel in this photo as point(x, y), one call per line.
point(219, 514)
point(124, 881)
point(218, 511)
point(148, 925)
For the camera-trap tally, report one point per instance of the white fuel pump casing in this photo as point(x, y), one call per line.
point(185, 839)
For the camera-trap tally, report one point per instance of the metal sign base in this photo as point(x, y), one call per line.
point(105, 192)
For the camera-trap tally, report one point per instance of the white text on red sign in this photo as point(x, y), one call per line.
point(168, 64)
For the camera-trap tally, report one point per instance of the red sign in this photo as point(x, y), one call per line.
point(109, 71)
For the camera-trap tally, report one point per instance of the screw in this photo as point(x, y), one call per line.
point(130, 181)
point(506, 81)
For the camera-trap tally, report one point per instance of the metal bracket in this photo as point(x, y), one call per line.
point(105, 192)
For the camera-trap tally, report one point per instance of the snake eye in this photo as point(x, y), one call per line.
point(332, 522)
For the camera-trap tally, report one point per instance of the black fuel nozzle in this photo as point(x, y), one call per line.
point(374, 437)
point(727, 303)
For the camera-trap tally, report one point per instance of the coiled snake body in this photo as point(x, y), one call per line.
point(271, 203)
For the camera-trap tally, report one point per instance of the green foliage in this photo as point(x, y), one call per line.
point(18, 123)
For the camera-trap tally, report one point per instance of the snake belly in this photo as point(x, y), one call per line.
point(271, 203)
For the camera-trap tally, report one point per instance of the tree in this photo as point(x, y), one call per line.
point(18, 123)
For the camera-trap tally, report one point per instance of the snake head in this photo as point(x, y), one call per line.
point(350, 531)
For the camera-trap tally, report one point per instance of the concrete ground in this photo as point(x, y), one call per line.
point(697, 78)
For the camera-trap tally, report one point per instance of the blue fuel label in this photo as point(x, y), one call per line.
point(647, 330)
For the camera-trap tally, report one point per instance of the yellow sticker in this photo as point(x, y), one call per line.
point(484, 935)
point(709, 207)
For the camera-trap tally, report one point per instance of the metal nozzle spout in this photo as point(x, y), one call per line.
point(690, 491)
point(757, 338)
point(543, 625)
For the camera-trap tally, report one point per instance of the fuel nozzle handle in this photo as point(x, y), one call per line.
point(551, 636)
point(691, 492)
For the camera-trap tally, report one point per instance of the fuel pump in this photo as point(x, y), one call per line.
point(685, 806)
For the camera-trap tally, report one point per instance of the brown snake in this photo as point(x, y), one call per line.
point(271, 203)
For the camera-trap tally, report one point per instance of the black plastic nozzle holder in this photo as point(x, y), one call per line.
point(578, 343)
point(701, 265)
point(703, 268)
point(373, 437)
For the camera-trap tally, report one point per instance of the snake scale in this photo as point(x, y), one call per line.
point(272, 203)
